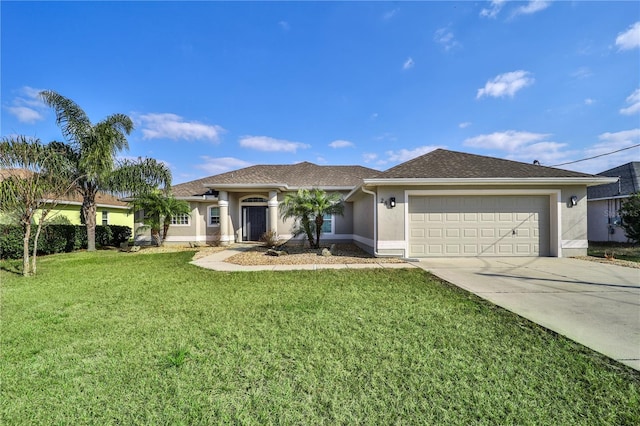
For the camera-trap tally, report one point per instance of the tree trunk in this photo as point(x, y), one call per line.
point(25, 248)
point(165, 231)
point(319, 222)
point(155, 236)
point(34, 255)
point(89, 213)
point(307, 230)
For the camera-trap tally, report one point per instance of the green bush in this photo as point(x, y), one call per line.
point(59, 238)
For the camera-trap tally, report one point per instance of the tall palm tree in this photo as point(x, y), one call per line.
point(93, 148)
point(159, 209)
point(309, 207)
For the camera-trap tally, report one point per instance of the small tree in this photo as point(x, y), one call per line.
point(630, 215)
point(309, 207)
point(34, 178)
point(159, 209)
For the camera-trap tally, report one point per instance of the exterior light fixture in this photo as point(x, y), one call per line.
point(573, 200)
point(392, 202)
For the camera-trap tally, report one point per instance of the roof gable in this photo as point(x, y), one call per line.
point(629, 182)
point(445, 164)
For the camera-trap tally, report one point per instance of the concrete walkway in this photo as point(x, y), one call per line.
point(217, 262)
point(594, 304)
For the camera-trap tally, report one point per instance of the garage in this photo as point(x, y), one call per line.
point(492, 225)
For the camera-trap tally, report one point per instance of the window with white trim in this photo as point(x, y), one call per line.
point(327, 225)
point(180, 219)
point(105, 217)
point(214, 216)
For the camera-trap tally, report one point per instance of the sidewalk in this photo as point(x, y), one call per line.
point(217, 262)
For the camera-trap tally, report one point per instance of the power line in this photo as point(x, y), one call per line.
point(596, 156)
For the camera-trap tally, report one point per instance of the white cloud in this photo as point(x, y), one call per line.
point(510, 140)
point(27, 107)
point(341, 144)
point(532, 7)
point(213, 165)
point(634, 103)
point(390, 14)
point(445, 37)
point(589, 101)
point(464, 125)
point(374, 116)
point(402, 155)
point(172, 126)
point(582, 72)
point(25, 114)
point(266, 143)
point(493, 10)
point(284, 25)
point(408, 64)
point(629, 39)
point(506, 84)
point(608, 142)
point(546, 153)
point(368, 157)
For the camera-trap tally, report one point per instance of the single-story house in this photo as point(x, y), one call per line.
point(110, 210)
point(604, 202)
point(444, 203)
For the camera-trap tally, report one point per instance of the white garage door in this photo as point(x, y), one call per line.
point(479, 226)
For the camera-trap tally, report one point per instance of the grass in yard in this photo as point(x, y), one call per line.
point(623, 251)
point(110, 338)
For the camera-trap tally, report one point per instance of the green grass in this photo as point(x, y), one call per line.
point(116, 338)
point(623, 251)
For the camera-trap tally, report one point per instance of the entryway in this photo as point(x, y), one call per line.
point(254, 222)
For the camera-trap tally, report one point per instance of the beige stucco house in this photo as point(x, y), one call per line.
point(443, 203)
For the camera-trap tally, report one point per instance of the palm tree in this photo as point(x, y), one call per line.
point(306, 205)
point(159, 209)
point(298, 206)
point(325, 204)
point(33, 178)
point(93, 149)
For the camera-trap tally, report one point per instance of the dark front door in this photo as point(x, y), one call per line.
point(254, 222)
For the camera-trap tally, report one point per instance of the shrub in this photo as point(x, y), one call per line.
point(59, 238)
point(270, 239)
point(630, 214)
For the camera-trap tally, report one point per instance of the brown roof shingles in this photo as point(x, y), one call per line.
point(301, 175)
point(445, 164)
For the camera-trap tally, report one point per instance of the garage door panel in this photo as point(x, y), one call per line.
point(479, 226)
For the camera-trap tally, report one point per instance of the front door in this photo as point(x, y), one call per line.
point(254, 222)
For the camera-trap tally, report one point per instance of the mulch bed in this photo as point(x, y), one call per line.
point(299, 255)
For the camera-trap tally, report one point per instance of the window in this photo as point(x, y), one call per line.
point(327, 225)
point(214, 216)
point(180, 219)
point(254, 200)
point(105, 217)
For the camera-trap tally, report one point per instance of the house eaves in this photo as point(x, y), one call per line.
point(588, 181)
point(247, 186)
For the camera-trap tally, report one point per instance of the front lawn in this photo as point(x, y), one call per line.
point(116, 338)
point(620, 251)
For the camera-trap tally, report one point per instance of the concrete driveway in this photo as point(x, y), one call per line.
point(595, 304)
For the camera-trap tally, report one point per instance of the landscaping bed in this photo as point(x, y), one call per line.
point(300, 255)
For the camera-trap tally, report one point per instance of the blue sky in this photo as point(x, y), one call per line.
point(214, 86)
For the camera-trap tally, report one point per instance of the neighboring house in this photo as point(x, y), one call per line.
point(443, 203)
point(604, 202)
point(110, 210)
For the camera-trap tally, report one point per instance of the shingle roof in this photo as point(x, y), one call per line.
point(629, 175)
point(102, 198)
point(303, 174)
point(444, 164)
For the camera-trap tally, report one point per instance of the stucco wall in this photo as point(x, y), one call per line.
point(570, 241)
point(363, 222)
point(600, 228)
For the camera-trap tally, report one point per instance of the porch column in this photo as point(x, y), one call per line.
point(223, 203)
point(273, 211)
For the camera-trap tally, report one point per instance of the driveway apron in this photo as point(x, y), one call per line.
point(594, 304)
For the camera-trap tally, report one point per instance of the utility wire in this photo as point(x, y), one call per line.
point(596, 156)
